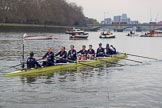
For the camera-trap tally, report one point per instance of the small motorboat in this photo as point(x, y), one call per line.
point(107, 35)
point(74, 30)
point(36, 37)
point(79, 36)
point(132, 33)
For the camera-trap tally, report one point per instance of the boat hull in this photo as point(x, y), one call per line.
point(107, 36)
point(79, 37)
point(67, 66)
point(37, 38)
point(151, 36)
point(157, 33)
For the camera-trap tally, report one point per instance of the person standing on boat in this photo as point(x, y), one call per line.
point(31, 62)
point(50, 58)
point(91, 53)
point(100, 51)
point(74, 34)
point(62, 55)
point(72, 54)
point(83, 53)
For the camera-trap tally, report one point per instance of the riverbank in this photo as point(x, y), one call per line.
point(35, 28)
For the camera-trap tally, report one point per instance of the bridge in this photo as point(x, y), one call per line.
point(122, 27)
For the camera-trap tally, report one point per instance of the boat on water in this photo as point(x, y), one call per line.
point(153, 33)
point(132, 33)
point(74, 30)
point(36, 37)
point(107, 35)
point(67, 66)
point(79, 36)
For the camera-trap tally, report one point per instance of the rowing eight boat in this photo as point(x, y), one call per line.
point(67, 66)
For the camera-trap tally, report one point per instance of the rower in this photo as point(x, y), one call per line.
point(110, 50)
point(113, 49)
point(31, 62)
point(91, 53)
point(50, 58)
point(83, 53)
point(72, 54)
point(62, 55)
point(100, 51)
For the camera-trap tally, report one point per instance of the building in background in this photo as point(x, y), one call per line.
point(124, 16)
point(119, 19)
point(108, 21)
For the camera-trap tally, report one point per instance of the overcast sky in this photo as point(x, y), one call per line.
point(135, 9)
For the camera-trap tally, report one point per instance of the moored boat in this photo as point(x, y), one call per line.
point(67, 66)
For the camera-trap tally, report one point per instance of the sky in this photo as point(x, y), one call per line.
point(142, 10)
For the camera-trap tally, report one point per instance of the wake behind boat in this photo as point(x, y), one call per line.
point(36, 37)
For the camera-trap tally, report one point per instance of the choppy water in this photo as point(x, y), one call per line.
point(134, 85)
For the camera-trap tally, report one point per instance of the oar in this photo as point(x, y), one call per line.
point(129, 59)
point(78, 62)
point(111, 62)
point(133, 60)
point(15, 66)
point(22, 63)
point(87, 64)
point(140, 56)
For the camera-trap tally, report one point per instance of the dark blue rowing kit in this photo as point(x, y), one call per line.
point(50, 59)
point(32, 63)
point(61, 57)
point(72, 55)
point(100, 52)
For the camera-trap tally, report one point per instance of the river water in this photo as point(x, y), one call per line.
point(133, 85)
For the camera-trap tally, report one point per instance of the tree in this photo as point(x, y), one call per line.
point(55, 12)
